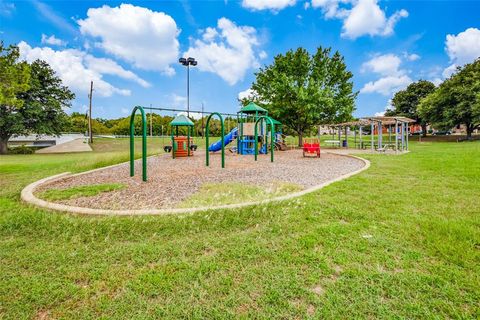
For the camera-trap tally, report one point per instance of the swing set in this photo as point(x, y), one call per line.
point(184, 146)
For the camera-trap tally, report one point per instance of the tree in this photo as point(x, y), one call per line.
point(456, 101)
point(301, 90)
point(42, 108)
point(405, 102)
point(14, 78)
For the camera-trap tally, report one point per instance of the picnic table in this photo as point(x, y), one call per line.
point(333, 142)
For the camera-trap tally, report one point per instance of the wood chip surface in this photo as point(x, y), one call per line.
point(170, 181)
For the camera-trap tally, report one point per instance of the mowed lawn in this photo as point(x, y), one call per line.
point(400, 240)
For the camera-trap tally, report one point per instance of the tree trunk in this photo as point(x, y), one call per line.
point(3, 145)
point(300, 139)
point(424, 130)
point(469, 131)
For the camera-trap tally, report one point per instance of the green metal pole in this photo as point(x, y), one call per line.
point(207, 134)
point(255, 140)
point(173, 143)
point(132, 143)
point(272, 146)
point(188, 141)
point(144, 143)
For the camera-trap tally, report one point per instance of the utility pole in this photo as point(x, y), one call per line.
point(90, 135)
point(151, 116)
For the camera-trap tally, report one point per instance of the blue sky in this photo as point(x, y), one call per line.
point(130, 49)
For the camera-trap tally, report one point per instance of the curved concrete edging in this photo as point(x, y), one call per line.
point(28, 197)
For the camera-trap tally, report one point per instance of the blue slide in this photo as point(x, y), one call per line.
point(217, 146)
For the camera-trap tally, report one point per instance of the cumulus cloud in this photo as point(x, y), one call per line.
point(462, 48)
point(412, 57)
point(108, 66)
point(393, 78)
point(246, 94)
point(77, 68)
point(387, 64)
point(145, 38)
point(360, 17)
point(387, 85)
point(227, 50)
point(273, 5)
point(52, 40)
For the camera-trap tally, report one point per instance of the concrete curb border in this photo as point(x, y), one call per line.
point(28, 197)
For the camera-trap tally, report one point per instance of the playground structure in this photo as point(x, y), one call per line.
point(397, 128)
point(251, 135)
point(182, 146)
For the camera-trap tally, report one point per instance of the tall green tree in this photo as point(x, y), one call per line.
point(405, 102)
point(43, 100)
point(456, 101)
point(14, 79)
point(302, 90)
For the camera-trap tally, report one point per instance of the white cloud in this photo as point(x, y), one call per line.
point(274, 5)
point(246, 94)
point(461, 49)
point(437, 81)
point(146, 38)
point(360, 17)
point(53, 17)
point(52, 40)
point(387, 85)
point(77, 68)
point(229, 54)
point(125, 111)
point(366, 18)
point(193, 115)
point(331, 8)
point(412, 57)
point(6, 8)
point(178, 101)
point(449, 70)
point(393, 77)
point(387, 64)
point(262, 54)
point(107, 66)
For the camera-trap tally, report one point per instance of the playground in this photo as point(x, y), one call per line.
point(257, 160)
point(171, 182)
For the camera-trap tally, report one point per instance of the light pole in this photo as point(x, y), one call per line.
point(188, 62)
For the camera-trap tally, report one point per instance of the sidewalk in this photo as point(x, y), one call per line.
point(76, 145)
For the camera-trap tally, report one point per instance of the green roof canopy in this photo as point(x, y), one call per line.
point(276, 122)
point(252, 108)
point(181, 120)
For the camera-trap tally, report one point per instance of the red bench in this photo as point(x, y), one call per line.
point(311, 147)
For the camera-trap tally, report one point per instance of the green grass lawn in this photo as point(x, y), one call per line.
point(400, 240)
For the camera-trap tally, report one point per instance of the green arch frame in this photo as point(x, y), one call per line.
point(272, 134)
point(144, 143)
point(207, 134)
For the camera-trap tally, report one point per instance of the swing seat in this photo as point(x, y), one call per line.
point(193, 147)
point(167, 149)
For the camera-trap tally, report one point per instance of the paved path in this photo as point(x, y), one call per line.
point(76, 145)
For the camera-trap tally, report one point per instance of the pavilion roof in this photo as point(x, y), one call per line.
point(366, 121)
